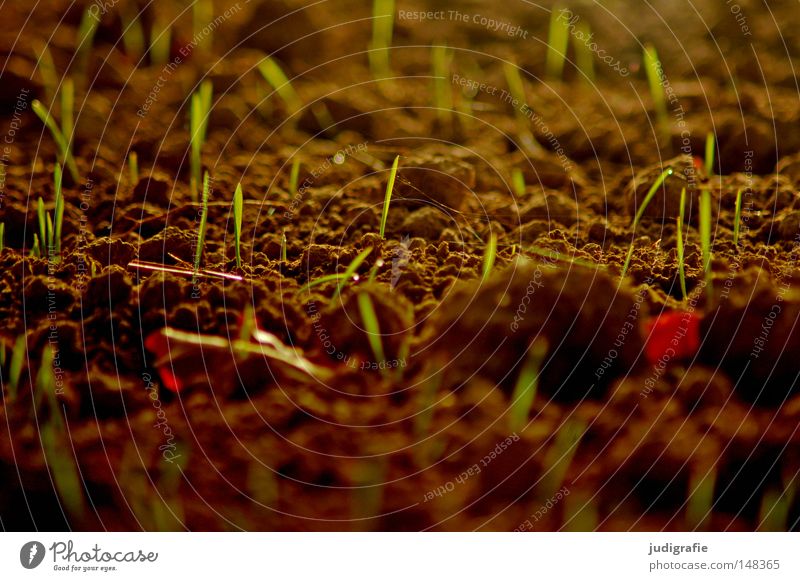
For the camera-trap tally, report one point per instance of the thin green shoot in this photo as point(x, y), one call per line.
point(283, 246)
point(133, 39)
point(711, 146)
point(85, 40)
point(681, 265)
point(202, 16)
point(36, 250)
point(47, 69)
point(388, 197)
point(527, 384)
point(64, 152)
point(580, 513)
point(516, 89)
point(557, 43)
point(133, 167)
point(68, 111)
point(652, 66)
point(341, 278)
point(489, 255)
point(49, 235)
point(2, 236)
point(249, 323)
point(371, 326)
point(559, 457)
point(201, 234)
point(584, 57)
point(705, 235)
point(701, 499)
point(59, 210)
point(238, 211)
point(441, 59)
point(518, 181)
point(199, 111)
point(15, 367)
point(776, 504)
point(294, 177)
point(738, 218)
point(382, 32)
point(160, 41)
point(648, 197)
point(277, 79)
point(42, 218)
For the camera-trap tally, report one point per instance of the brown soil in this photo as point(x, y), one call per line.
point(421, 438)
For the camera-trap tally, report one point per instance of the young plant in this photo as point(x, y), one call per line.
point(649, 196)
point(36, 250)
point(654, 72)
point(160, 42)
point(68, 111)
point(201, 233)
point(372, 328)
point(527, 384)
point(15, 367)
point(711, 146)
point(85, 40)
point(62, 143)
point(700, 503)
point(583, 55)
point(133, 167)
point(776, 505)
point(518, 181)
point(489, 255)
point(737, 218)
point(681, 266)
point(705, 236)
point(557, 43)
point(200, 109)
point(342, 278)
point(559, 457)
point(59, 210)
point(441, 59)
point(277, 79)
point(2, 236)
point(47, 69)
point(238, 211)
point(388, 197)
point(516, 89)
point(382, 31)
point(294, 177)
point(42, 219)
point(202, 15)
point(132, 32)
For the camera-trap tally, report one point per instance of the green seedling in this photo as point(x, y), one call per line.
point(705, 236)
point(15, 367)
point(368, 476)
point(49, 235)
point(584, 57)
point(649, 196)
point(738, 218)
point(283, 246)
point(199, 112)
point(557, 43)
point(559, 457)
point(238, 211)
point(294, 177)
point(527, 384)
point(85, 40)
point(133, 39)
point(489, 255)
point(580, 513)
point(382, 32)
point(202, 15)
point(2, 236)
point(42, 219)
point(133, 167)
point(516, 89)
point(441, 59)
point(201, 234)
point(701, 499)
point(341, 278)
point(36, 250)
point(277, 79)
point(160, 42)
point(388, 197)
point(518, 181)
point(68, 111)
point(652, 66)
point(371, 326)
point(59, 210)
point(776, 505)
point(711, 146)
point(64, 152)
point(681, 265)
point(47, 69)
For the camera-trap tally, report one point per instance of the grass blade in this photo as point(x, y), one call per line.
point(711, 146)
point(68, 112)
point(2, 236)
point(489, 255)
point(15, 367)
point(133, 167)
point(652, 66)
point(527, 384)
point(238, 211)
point(700, 503)
point(382, 32)
point(738, 218)
point(201, 234)
point(388, 198)
point(584, 57)
point(559, 456)
point(277, 79)
point(59, 209)
point(132, 32)
point(40, 214)
point(160, 42)
point(371, 326)
point(85, 40)
point(294, 177)
point(47, 69)
point(557, 43)
point(518, 181)
point(649, 196)
point(705, 235)
point(58, 137)
point(681, 266)
point(442, 87)
point(283, 246)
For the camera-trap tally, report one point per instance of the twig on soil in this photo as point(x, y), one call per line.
point(388, 198)
point(651, 192)
point(154, 266)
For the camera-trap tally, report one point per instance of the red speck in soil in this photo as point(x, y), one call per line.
point(672, 335)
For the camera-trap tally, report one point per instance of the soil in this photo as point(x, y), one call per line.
point(163, 411)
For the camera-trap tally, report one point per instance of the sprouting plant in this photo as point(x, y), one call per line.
point(133, 167)
point(388, 197)
point(489, 255)
point(557, 43)
point(277, 79)
point(68, 111)
point(294, 177)
point(2, 236)
point(132, 32)
point(737, 218)
point(584, 57)
point(199, 111)
point(649, 196)
point(776, 505)
point(202, 15)
point(47, 68)
point(524, 393)
point(368, 476)
point(705, 235)
point(681, 266)
point(85, 40)
point(701, 498)
point(559, 457)
point(58, 211)
point(36, 250)
point(64, 151)
point(382, 31)
point(201, 233)
point(343, 277)
point(283, 246)
point(441, 59)
point(15, 367)
point(516, 89)
point(518, 181)
point(711, 146)
point(238, 210)
point(424, 416)
point(655, 73)
point(160, 41)
point(42, 219)
point(371, 326)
